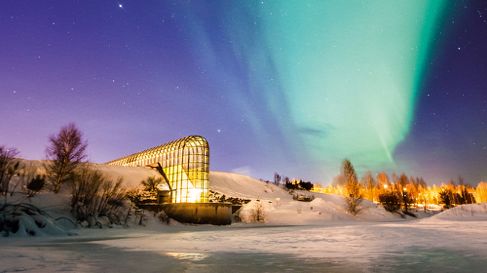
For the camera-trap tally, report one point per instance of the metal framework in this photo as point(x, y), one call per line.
point(183, 163)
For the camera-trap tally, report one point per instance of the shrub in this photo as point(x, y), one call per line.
point(258, 212)
point(391, 201)
point(252, 212)
point(35, 185)
point(94, 196)
point(305, 185)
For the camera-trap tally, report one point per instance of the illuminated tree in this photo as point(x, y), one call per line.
point(446, 197)
point(481, 192)
point(66, 151)
point(353, 197)
point(368, 184)
point(464, 193)
point(382, 184)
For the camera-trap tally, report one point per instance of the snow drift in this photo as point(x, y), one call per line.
point(470, 212)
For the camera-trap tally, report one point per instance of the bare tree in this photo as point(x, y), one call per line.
point(353, 197)
point(66, 151)
point(150, 183)
point(9, 167)
point(277, 179)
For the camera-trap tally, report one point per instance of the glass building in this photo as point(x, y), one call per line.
point(183, 163)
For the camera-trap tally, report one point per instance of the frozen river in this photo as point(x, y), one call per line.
point(409, 246)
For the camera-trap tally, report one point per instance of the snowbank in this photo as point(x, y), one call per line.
point(23, 219)
point(470, 212)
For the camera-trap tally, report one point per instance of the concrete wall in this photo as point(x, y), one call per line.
point(200, 213)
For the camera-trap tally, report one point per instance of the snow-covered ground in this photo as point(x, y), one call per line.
point(317, 236)
point(408, 246)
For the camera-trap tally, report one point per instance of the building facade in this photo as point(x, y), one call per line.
point(183, 164)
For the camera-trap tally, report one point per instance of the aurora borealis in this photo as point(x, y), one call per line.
point(287, 86)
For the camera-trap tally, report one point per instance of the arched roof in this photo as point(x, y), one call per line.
point(192, 141)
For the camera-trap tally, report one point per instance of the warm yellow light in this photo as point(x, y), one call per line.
point(385, 186)
point(162, 187)
point(194, 195)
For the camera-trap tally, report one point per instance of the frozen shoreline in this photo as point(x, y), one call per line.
point(426, 245)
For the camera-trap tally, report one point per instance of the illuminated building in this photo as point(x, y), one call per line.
point(183, 163)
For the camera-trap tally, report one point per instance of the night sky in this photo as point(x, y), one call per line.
point(287, 86)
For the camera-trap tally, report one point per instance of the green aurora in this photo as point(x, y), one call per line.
point(339, 78)
point(351, 71)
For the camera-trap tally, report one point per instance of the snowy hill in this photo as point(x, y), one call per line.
point(237, 185)
point(470, 212)
point(278, 207)
point(272, 203)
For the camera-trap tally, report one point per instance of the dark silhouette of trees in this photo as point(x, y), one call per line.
point(446, 198)
point(277, 179)
point(298, 185)
point(463, 196)
point(150, 184)
point(35, 185)
point(66, 151)
point(305, 185)
point(391, 201)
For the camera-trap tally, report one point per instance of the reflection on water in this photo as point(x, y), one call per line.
point(411, 260)
point(224, 262)
point(195, 257)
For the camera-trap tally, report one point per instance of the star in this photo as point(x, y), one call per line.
point(120, 5)
point(218, 130)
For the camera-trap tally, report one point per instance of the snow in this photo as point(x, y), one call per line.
point(280, 209)
point(290, 236)
point(470, 212)
point(405, 246)
point(237, 185)
point(132, 176)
